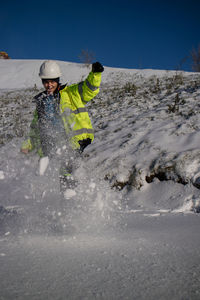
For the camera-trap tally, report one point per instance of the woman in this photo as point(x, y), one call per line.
point(60, 109)
point(61, 117)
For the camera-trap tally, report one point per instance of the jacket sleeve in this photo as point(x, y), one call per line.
point(33, 140)
point(89, 88)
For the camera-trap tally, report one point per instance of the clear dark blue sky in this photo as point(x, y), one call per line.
point(122, 33)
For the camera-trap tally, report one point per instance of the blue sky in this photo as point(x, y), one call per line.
point(121, 33)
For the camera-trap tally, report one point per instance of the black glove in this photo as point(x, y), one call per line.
point(97, 67)
point(84, 143)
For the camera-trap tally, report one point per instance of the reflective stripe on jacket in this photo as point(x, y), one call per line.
point(72, 108)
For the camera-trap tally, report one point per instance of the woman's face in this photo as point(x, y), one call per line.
point(50, 86)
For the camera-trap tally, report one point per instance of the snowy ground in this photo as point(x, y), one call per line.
point(133, 231)
point(150, 259)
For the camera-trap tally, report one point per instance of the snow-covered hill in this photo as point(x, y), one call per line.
point(132, 230)
point(147, 127)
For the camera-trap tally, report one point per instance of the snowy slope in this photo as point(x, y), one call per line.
point(147, 130)
point(132, 231)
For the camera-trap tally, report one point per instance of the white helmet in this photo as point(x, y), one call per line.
point(49, 70)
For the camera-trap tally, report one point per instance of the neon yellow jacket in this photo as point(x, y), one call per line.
point(73, 112)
